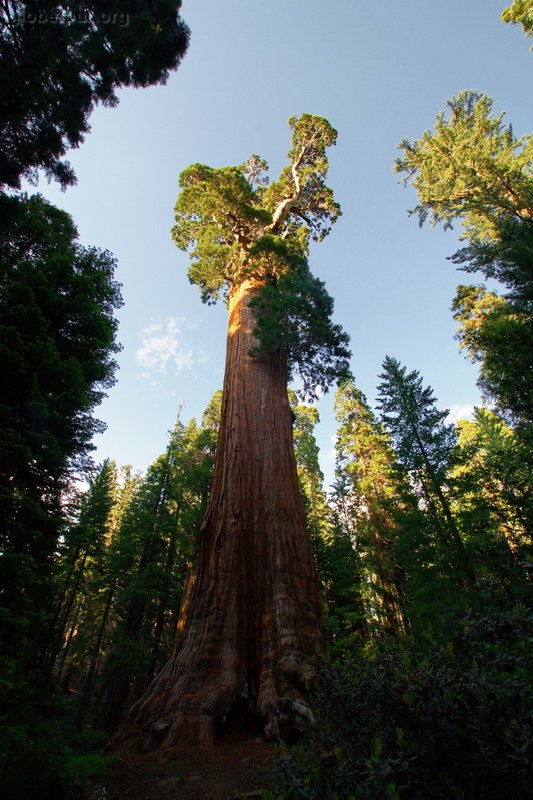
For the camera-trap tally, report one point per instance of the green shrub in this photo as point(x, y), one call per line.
point(41, 756)
point(32, 760)
point(401, 723)
point(82, 768)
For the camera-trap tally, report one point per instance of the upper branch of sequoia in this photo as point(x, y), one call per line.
point(300, 193)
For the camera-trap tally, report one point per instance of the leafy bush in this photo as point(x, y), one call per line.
point(399, 722)
point(40, 762)
point(32, 761)
point(41, 758)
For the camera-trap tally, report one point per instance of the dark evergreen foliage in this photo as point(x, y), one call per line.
point(424, 444)
point(58, 339)
point(508, 258)
point(396, 721)
point(294, 318)
point(410, 414)
point(59, 59)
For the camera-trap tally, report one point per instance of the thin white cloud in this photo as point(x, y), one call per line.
point(331, 454)
point(163, 349)
point(457, 412)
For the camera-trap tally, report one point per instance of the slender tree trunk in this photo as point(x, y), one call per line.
point(155, 652)
point(85, 698)
point(55, 640)
point(251, 619)
point(64, 675)
point(388, 574)
point(116, 690)
point(464, 560)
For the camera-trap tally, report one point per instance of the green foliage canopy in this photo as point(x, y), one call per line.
point(471, 167)
point(424, 443)
point(57, 304)
point(474, 169)
point(498, 335)
point(58, 339)
point(520, 12)
point(396, 722)
point(374, 487)
point(239, 227)
point(416, 426)
point(491, 483)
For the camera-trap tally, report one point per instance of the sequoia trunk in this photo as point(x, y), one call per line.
point(251, 620)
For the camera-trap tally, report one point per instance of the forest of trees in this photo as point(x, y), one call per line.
point(384, 620)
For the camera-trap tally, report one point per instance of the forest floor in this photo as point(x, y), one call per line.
point(235, 768)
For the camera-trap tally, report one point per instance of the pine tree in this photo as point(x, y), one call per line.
point(381, 507)
point(252, 617)
point(492, 482)
point(424, 444)
point(311, 480)
point(83, 585)
point(473, 169)
point(153, 553)
point(498, 334)
point(58, 339)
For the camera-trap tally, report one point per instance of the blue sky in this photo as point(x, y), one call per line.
point(379, 71)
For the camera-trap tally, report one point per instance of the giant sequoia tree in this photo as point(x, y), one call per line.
point(251, 620)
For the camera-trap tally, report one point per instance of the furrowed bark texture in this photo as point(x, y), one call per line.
point(252, 620)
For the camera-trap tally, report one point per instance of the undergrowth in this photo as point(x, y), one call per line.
point(41, 756)
point(400, 721)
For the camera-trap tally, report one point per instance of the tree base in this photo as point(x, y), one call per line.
point(200, 722)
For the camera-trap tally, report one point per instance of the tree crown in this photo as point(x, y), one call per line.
point(57, 318)
point(236, 227)
point(59, 59)
point(520, 12)
point(472, 166)
point(410, 414)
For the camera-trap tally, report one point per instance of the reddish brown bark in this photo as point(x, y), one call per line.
point(251, 621)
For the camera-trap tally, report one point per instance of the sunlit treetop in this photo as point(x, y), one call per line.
point(238, 226)
point(520, 12)
point(470, 167)
point(498, 334)
point(363, 445)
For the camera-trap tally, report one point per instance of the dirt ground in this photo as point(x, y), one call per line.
point(235, 768)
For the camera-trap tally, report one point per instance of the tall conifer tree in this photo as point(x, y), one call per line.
point(473, 169)
point(424, 444)
point(60, 59)
point(381, 505)
point(251, 619)
point(58, 339)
